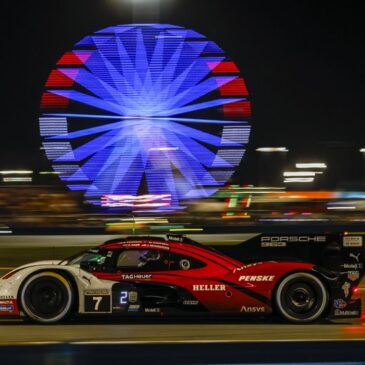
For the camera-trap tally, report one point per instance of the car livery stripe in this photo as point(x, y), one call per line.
point(248, 292)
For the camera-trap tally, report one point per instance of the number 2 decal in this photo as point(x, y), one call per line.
point(123, 297)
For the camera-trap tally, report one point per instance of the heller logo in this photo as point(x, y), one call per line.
point(352, 241)
point(252, 309)
point(256, 278)
point(209, 287)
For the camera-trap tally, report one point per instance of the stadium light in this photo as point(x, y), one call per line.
point(272, 149)
point(299, 173)
point(298, 179)
point(311, 165)
point(17, 179)
point(16, 172)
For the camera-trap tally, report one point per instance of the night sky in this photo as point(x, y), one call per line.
point(303, 62)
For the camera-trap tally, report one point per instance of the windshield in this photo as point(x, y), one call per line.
point(89, 256)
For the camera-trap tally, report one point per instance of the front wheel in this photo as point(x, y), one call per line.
point(301, 297)
point(47, 297)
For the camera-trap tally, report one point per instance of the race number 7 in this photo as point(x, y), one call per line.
point(97, 301)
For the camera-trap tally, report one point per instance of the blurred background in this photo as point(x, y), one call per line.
point(304, 163)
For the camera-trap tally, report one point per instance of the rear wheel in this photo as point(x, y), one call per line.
point(47, 297)
point(301, 297)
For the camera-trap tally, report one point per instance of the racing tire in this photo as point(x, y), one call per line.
point(301, 297)
point(47, 297)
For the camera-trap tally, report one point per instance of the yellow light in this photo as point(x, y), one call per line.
point(272, 149)
point(16, 172)
point(185, 229)
point(298, 179)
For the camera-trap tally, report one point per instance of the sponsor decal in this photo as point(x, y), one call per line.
point(339, 303)
point(346, 288)
point(355, 256)
point(147, 244)
point(209, 287)
point(256, 278)
point(6, 297)
point(136, 276)
point(96, 292)
point(352, 241)
point(281, 241)
point(97, 303)
point(246, 266)
point(252, 309)
point(273, 244)
point(360, 265)
point(339, 312)
point(353, 275)
point(133, 308)
point(191, 302)
point(175, 238)
point(132, 296)
point(6, 308)
point(152, 310)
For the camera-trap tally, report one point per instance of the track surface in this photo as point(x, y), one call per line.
point(18, 250)
point(166, 331)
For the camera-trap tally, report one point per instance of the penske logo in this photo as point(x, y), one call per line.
point(256, 278)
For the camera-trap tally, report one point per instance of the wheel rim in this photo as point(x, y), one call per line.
point(301, 298)
point(47, 297)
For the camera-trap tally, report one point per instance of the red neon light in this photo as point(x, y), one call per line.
point(75, 58)
point(223, 67)
point(235, 87)
point(58, 79)
point(239, 109)
point(50, 100)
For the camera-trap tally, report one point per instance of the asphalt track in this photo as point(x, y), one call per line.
point(17, 250)
point(164, 331)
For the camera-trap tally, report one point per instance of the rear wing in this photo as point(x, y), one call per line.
point(339, 252)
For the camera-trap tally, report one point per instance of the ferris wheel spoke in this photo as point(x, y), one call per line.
point(90, 100)
point(197, 91)
point(201, 106)
point(89, 131)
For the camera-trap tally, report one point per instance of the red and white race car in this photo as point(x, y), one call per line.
point(177, 275)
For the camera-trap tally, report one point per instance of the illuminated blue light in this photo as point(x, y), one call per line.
point(145, 112)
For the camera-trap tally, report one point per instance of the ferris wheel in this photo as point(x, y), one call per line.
point(140, 109)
